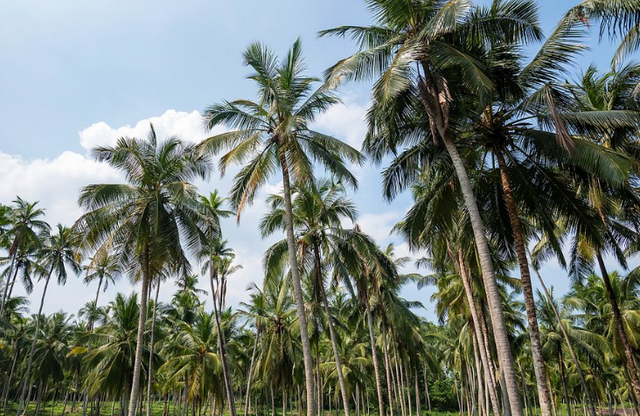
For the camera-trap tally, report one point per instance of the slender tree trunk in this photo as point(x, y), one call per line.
point(137, 366)
point(567, 340)
point(408, 386)
point(11, 277)
point(247, 400)
point(477, 325)
point(7, 386)
point(228, 385)
point(426, 390)
point(527, 288)
point(376, 366)
point(417, 392)
point(494, 299)
point(564, 382)
point(151, 345)
point(297, 288)
point(388, 372)
point(617, 316)
point(478, 364)
point(332, 332)
point(25, 396)
point(399, 383)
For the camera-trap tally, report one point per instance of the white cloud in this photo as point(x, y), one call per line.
point(345, 121)
point(379, 226)
point(55, 183)
point(187, 126)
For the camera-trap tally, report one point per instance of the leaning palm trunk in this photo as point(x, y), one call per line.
point(567, 340)
point(297, 288)
point(494, 299)
point(11, 277)
point(475, 318)
point(247, 399)
point(221, 344)
point(151, 344)
point(376, 366)
point(137, 366)
point(435, 98)
point(388, 373)
point(334, 341)
point(27, 375)
point(527, 288)
point(617, 316)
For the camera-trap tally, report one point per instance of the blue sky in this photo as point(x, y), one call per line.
point(76, 74)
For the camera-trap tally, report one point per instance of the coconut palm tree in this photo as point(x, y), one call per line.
point(25, 226)
point(148, 221)
point(104, 267)
point(273, 133)
point(318, 214)
point(58, 252)
point(113, 358)
point(423, 54)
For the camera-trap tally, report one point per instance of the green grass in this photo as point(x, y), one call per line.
point(46, 409)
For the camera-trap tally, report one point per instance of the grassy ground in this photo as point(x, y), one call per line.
point(55, 409)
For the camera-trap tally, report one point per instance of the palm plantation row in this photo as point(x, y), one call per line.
point(508, 162)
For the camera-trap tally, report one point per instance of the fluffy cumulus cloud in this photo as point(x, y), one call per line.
point(55, 183)
point(187, 126)
point(345, 121)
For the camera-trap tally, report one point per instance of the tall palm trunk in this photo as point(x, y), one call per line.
point(27, 375)
point(137, 365)
point(11, 277)
point(567, 340)
point(388, 373)
point(564, 381)
point(221, 343)
point(494, 299)
point(247, 399)
point(297, 288)
point(376, 366)
point(151, 344)
point(624, 340)
point(475, 318)
point(527, 288)
point(85, 393)
point(332, 333)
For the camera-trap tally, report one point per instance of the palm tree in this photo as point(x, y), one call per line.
point(104, 267)
point(318, 212)
point(217, 259)
point(58, 252)
point(192, 356)
point(112, 360)
point(422, 54)
point(273, 133)
point(23, 231)
point(148, 220)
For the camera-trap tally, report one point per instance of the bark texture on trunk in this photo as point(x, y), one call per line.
point(297, 289)
point(151, 344)
point(247, 399)
point(376, 365)
point(527, 288)
point(228, 386)
point(624, 340)
point(332, 333)
point(137, 366)
point(567, 340)
point(494, 299)
point(486, 363)
point(24, 395)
